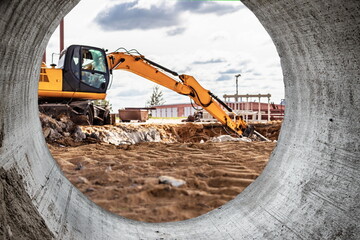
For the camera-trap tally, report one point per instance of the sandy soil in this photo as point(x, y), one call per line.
point(270, 130)
point(125, 179)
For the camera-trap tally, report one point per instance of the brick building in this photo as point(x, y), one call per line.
point(249, 110)
point(173, 110)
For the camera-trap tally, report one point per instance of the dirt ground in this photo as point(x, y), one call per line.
point(124, 179)
point(270, 130)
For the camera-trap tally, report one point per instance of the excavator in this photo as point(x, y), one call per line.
point(84, 74)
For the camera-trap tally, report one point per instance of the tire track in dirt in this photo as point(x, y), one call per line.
point(124, 179)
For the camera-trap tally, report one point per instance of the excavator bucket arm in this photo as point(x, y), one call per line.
point(185, 85)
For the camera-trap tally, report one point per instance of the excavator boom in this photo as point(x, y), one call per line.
point(185, 85)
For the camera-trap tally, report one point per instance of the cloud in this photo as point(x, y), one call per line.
point(132, 92)
point(180, 70)
point(129, 15)
point(265, 87)
point(223, 78)
point(249, 70)
point(203, 7)
point(245, 62)
point(231, 71)
point(214, 60)
point(176, 31)
point(274, 65)
point(220, 36)
point(257, 74)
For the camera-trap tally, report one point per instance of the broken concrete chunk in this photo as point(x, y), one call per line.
point(228, 138)
point(54, 135)
point(171, 181)
point(78, 134)
point(66, 134)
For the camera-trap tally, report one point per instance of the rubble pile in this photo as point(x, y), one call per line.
point(63, 131)
point(119, 135)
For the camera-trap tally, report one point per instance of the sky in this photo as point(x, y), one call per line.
point(210, 40)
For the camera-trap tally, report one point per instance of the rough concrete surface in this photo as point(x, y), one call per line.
point(310, 188)
point(19, 216)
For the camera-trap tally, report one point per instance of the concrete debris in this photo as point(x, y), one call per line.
point(171, 181)
point(228, 138)
point(63, 131)
point(58, 129)
point(78, 134)
point(119, 136)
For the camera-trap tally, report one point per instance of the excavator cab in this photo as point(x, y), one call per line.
point(82, 75)
point(85, 69)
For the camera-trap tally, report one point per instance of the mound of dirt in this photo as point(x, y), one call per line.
point(122, 168)
point(270, 130)
point(196, 132)
point(125, 179)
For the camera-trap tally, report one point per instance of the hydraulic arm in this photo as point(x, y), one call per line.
point(185, 85)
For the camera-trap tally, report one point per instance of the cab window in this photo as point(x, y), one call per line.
point(75, 63)
point(93, 68)
point(62, 59)
point(93, 60)
point(95, 80)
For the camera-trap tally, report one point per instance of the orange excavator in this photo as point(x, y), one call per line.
point(84, 73)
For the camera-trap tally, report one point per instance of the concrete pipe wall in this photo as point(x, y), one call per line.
point(309, 190)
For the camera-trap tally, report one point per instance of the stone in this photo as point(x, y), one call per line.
point(171, 181)
point(228, 138)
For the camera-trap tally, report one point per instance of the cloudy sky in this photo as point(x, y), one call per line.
point(210, 40)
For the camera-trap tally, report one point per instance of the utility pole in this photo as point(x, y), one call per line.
point(61, 35)
point(61, 39)
point(237, 84)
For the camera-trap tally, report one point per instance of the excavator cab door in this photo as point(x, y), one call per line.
point(85, 69)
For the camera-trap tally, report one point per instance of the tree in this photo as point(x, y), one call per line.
point(156, 97)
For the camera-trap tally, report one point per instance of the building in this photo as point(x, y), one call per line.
point(173, 110)
point(249, 110)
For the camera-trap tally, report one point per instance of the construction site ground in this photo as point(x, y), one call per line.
point(124, 176)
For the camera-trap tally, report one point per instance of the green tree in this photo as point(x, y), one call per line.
point(156, 97)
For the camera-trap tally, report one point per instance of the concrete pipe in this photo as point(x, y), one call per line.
point(309, 190)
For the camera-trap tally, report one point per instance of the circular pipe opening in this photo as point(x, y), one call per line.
point(308, 190)
point(130, 187)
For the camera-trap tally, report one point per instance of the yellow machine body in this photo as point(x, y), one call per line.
point(50, 79)
point(51, 86)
